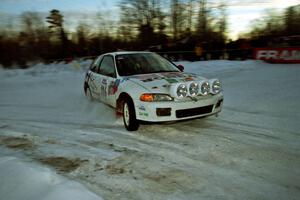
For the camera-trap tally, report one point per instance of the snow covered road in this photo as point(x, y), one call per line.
point(251, 151)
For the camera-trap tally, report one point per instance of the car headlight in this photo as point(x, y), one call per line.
point(155, 97)
point(204, 87)
point(215, 86)
point(193, 89)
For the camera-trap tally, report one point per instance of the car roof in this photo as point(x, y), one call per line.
point(127, 52)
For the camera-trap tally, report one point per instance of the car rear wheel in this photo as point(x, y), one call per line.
point(129, 117)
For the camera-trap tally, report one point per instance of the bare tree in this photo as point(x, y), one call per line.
point(202, 25)
point(144, 18)
point(222, 21)
point(33, 37)
point(82, 36)
point(190, 9)
point(292, 20)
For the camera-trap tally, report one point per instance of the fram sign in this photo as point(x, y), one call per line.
point(278, 55)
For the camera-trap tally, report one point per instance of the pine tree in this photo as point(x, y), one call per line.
point(55, 19)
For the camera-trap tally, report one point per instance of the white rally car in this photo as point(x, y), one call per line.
point(144, 86)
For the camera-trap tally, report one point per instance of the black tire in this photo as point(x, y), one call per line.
point(88, 93)
point(129, 116)
point(85, 86)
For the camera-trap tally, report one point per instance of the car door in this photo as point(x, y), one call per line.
point(94, 79)
point(107, 73)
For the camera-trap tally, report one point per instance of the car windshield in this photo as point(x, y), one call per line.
point(143, 63)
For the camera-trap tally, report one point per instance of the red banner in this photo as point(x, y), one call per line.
point(278, 55)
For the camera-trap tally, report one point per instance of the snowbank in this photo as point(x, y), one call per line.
point(29, 181)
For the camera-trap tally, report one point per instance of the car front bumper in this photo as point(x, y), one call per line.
point(178, 110)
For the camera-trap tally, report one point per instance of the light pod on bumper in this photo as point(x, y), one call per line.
point(204, 87)
point(179, 90)
point(193, 88)
point(215, 86)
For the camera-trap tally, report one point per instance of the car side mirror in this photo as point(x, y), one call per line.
point(180, 67)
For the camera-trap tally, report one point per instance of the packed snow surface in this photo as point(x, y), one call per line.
point(26, 181)
point(55, 144)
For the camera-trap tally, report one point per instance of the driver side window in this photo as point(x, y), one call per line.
point(95, 65)
point(107, 66)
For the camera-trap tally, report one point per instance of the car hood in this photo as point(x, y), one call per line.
point(160, 82)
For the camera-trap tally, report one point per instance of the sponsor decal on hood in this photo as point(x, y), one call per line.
point(170, 77)
point(160, 82)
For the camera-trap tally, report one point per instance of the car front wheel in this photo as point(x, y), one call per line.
point(129, 117)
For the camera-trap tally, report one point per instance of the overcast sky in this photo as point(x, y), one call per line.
point(240, 12)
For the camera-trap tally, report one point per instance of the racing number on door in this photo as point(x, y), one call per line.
point(103, 89)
